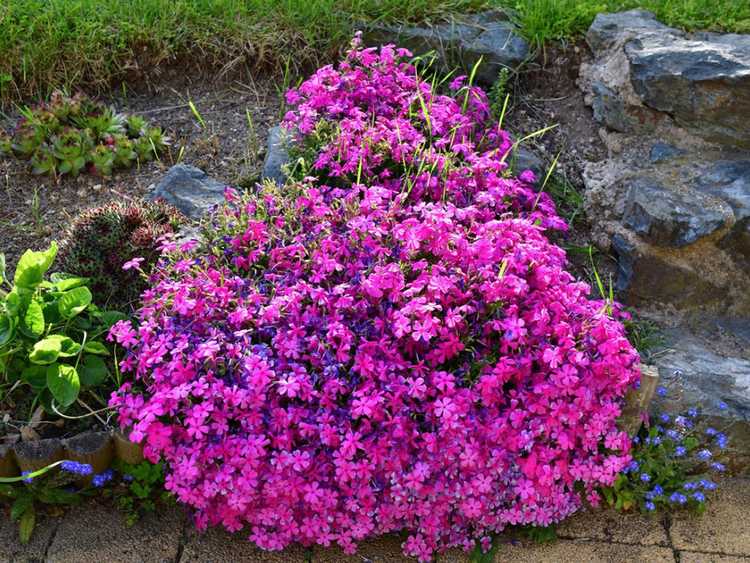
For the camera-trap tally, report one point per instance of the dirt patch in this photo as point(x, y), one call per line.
point(229, 146)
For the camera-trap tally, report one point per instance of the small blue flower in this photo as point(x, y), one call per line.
point(76, 468)
point(700, 497)
point(682, 421)
point(720, 467)
point(680, 451)
point(650, 506)
point(708, 485)
point(102, 478)
point(645, 477)
point(722, 440)
point(661, 391)
point(633, 466)
point(127, 478)
point(665, 418)
point(656, 440)
point(657, 490)
point(691, 486)
point(711, 431)
point(692, 413)
point(704, 455)
point(673, 434)
point(678, 498)
point(636, 440)
point(722, 406)
point(26, 479)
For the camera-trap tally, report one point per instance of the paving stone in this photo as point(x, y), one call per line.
point(723, 527)
point(219, 546)
point(93, 533)
point(693, 557)
point(385, 549)
point(613, 526)
point(12, 550)
point(583, 552)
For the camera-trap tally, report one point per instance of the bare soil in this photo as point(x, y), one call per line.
point(37, 209)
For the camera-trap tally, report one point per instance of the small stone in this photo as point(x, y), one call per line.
point(277, 156)
point(190, 190)
point(663, 151)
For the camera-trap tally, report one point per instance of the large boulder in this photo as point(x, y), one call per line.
point(644, 72)
point(672, 200)
point(461, 42)
point(673, 218)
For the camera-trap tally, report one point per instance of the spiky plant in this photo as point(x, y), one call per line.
point(101, 240)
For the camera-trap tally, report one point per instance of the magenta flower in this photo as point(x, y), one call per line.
point(338, 359)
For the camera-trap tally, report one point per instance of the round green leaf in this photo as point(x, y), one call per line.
point(63, 383)
point(33, 320)
point(45, 351)
point(96, 347)
point(93, 371)
point(68, 346)
point(7, 329)
point(33, 265)
point(73, 302)
point(35, 376)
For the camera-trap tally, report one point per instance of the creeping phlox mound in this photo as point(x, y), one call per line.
point(392, 344)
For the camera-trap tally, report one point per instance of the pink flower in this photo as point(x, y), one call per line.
point(134, 263)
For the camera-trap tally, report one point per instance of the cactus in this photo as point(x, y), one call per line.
point(101, 240)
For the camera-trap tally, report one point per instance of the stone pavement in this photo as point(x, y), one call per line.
point(94, 533)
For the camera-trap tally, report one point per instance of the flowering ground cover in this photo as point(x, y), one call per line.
point(389, 342)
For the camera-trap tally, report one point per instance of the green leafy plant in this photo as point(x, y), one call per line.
point(70, 135)
point(51, 335)
point(141, 489)
point(50, 485)
point(672, 459)
point(100, 241)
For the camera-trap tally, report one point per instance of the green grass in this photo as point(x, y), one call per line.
point(45, 44)
point(543, 20)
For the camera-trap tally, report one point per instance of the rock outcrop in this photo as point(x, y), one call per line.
point(672, 201)
point(460, 42)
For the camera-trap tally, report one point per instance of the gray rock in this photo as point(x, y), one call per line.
point(607, 29)
point(190, 190)
point(461, 42)
point(526, 159)
point(730, 181)
point(670, 218)
point(696, 376)
point(704, 84)
point(277, 156)
point(700, 377)
point(663, 151)
point(645, 277)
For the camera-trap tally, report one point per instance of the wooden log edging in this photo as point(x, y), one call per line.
point(637, 401)
point(96, 448)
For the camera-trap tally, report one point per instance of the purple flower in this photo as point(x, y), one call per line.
point(650, 506)
point(720, 467)
point(700, 497)
point(708, 485)
point(704, 455)
point(76, 468)
point(680, 451)
point(645, 477)
point(677, 498)
point(102, 478)
point(134, 263)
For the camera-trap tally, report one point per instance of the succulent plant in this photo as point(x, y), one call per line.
point(100, 241)
point(68, 135)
